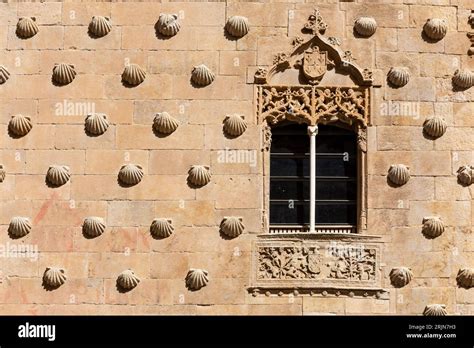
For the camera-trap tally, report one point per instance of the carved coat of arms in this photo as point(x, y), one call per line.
point(315, 64)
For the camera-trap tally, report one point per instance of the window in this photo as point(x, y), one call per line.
point(336, 177)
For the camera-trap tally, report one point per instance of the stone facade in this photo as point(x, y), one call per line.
point(164, 237)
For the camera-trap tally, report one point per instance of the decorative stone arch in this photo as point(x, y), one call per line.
point(316, 82)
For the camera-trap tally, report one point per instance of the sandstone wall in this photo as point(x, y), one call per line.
point(58, 137)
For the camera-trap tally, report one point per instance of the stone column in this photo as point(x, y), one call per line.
point(312, 131)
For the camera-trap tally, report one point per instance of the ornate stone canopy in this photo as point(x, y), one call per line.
point(316, 82)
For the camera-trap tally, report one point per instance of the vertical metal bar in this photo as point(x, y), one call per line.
point(312, 131)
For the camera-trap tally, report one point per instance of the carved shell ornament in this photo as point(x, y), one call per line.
point(433, 227)
point(133, 75)
point(93, 226)
point(162, 228)
point(58, 175)
point(235, 125)
point(398, 76)
point(435, 310)
point(100, 26)
point(164, 123)
point(202, 75)
point(63, 73)
point(400, 276)
point(54, 277)
point(20, 125)
point(465, 278)
point(365, 26)
point(237, 26)
point(168, 24)
point(196, 279)
point(96, 124)
point(19, 226)
point(26, 27)
point(130, 174)
point(127, 280)
point(435, 28)
point(465, 175)
point(399, 174)
point(2, 173)
point(463, 78)
point(199, 175)
point(4, 75)
point(232, 226)
point(435, 126)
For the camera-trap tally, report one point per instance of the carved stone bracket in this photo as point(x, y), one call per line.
point(313, 105)
point(322, 264)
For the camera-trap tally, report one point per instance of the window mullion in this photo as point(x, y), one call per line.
point(312, 131)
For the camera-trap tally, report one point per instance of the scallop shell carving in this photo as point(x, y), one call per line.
point(20, 125)
point(100, 26)
point(435, 126)
point(398, 76)
point(19, 226)
point(435, 310)
point(58, 175)
point(237, 26)
point(232, 226)
point(162, 228)
point(133, 74)
point(131, 174)
point(164, 123)
point(463, 78)
point(196, 279)
point(127, 280)
point(4, 75)
point(433, 226)
point(465, 175)
point(96, 124)
point(93, 226)
point(54, 277)
point(435, 28)
point(63, 73)
point(400, 276)
point(26, 27)
point(168, 24)
point(465, 278)
point(365, 26)
point(399, 174)
point(199, 175)
point(202, 75)
point(235, 125)
point(2, 173)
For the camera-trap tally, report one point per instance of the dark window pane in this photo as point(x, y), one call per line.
point(289, 189)
point(335, 143)
point(336, 213)
point(336, 166)
point(284, 213)
point(287, 166)
point(290, 144)
point(332, 189)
